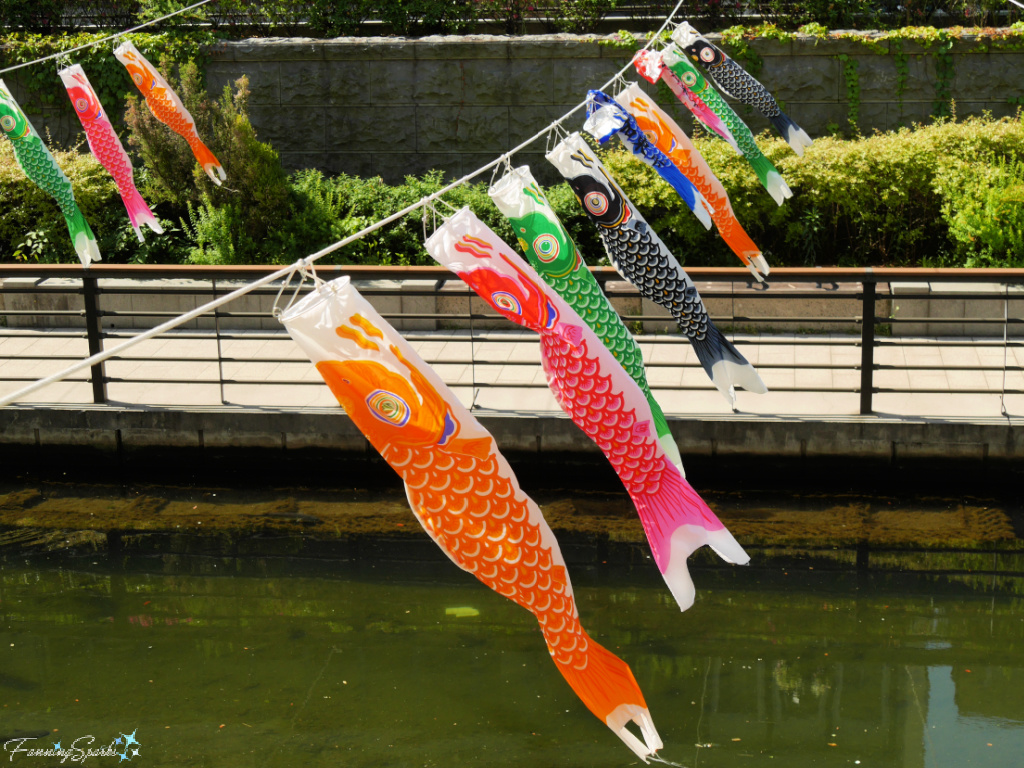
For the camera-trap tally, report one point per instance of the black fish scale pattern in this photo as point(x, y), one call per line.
point(640, 259)
point(743, 87)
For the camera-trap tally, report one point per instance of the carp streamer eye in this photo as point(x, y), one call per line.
point(689, 79)
point(596, 203)
point(706, 54)
point(137, 77)
point(546, 247)
point(7, 123)
point(506, 302)
point(81, 104)
point(388, 407)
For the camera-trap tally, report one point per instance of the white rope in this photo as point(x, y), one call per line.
point(99, 357)
point(307, 262)
point(103, 40)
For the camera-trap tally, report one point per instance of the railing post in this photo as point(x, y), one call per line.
point(220, 351)
point(93, 332)
point(867, 343)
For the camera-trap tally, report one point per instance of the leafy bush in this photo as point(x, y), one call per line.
point(834, 14)
point(947, 194)
point(983, 203)
point(33, 228)
point(888, 199)
point(579, 16)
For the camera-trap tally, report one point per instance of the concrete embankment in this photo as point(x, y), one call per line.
point(138, 435)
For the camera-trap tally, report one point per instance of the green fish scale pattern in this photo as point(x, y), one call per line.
point(39, 165)
point(739, 129)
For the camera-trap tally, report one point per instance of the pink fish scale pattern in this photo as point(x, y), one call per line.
point(596, 393)
point(663, 498)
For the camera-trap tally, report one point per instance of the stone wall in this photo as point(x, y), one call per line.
point(391, 106)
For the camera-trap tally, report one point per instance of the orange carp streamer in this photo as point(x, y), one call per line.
point(167, 107)
point(664, 133)
point(462, 490)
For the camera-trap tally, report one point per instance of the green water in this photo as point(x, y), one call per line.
point(223, 662)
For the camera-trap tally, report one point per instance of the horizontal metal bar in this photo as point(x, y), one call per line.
point(44, 312)
point(716, 283)
point(950, 391)
point(822, 275)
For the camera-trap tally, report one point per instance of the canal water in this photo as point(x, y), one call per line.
point(229, 662)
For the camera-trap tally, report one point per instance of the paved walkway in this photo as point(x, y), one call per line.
point(500, 371)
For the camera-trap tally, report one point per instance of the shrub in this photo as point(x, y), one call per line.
point(880, 200)
point(947, 194)
point(425, 17)
point(33, 228)
point(983, 205)
point(577, 16)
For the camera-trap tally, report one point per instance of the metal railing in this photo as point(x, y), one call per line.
point(105, 304)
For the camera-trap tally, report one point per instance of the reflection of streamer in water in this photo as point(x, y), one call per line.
point(313, 685)
point(656, 759)
point(920, 713)
point(703, 695)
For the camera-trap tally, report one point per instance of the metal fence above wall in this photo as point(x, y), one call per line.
point(886, 331)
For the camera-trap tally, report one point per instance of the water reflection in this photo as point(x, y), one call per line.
point(382, 665)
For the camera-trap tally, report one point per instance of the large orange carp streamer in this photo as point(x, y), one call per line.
point(462, 490)
point(167, 107)
point(596, 393)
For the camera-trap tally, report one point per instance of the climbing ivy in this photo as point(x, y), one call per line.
point(938, 43)
point(901, 61)
point(852, 78)
point(944, 74)
point(735, 40)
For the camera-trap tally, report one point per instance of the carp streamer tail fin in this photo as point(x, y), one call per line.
point(607, 686)
point(725, 366)
point(81, 235)
point(139, 213)
point(794, 135)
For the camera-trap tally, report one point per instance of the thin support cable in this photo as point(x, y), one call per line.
point(69, 51)
point(303, 264)
point(155, 331)
point(474, 391)
point(1006, 324)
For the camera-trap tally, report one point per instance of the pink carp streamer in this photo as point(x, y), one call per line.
point(596, 393)
point(107, 148)
point(462, 490)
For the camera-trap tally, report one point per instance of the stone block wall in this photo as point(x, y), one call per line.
point(395, 106)
point(391, 107)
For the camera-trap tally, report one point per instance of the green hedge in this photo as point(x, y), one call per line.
point(947, 194)
point(940, 195)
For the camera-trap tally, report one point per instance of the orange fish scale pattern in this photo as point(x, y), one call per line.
point(474, 514)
